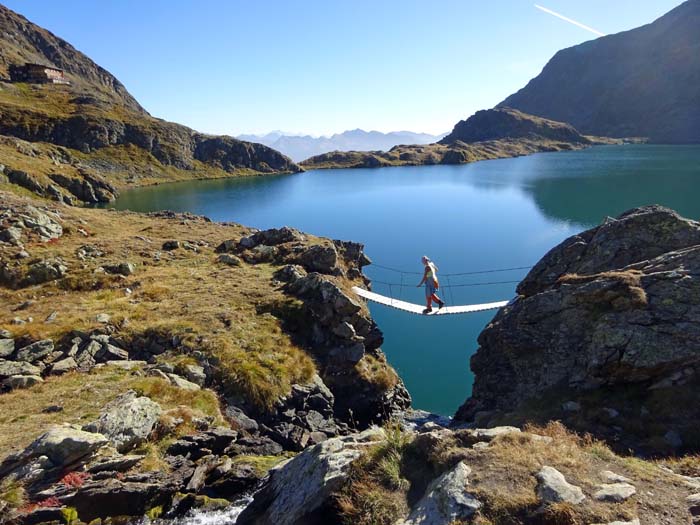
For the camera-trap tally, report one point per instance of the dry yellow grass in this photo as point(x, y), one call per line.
point(686, 466)
point(377, 372)
point(376, 493)
point(629, 279)
point(505, 477)
point(185, 294)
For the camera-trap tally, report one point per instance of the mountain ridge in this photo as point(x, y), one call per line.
point(638, 83)
point(301, 147)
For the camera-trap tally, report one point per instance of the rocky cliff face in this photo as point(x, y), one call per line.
point(94, 125)
point(639, 83)
point(507, 123)
point(337, 328)
point(603, 335)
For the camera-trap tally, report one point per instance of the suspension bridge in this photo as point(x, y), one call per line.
point(399, 304)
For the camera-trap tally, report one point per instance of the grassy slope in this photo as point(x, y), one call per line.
point(234, 315)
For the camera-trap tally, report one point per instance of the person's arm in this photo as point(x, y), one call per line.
point(425, 276)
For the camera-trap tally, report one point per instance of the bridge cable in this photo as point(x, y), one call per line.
point(396, 270)
point(460, 285)
point(449, 285)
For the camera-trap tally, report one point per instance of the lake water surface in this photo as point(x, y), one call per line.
point(482, 216)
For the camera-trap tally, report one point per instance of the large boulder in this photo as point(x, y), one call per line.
point(44, 271)
point(613, 308)
point(299, 488)
point(89, 349)
point(127, 421)
point(198, 445)
point(552, 487)
point(636, 235)
point(35, 351)
point(64, 446)
point(319, 258)
point(16, 368)
point(447, 500)
point(341, 334)
point(303, 417)
point(272, 237)
point(16, 382)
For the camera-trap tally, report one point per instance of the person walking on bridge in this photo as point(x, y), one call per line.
point(431, 285)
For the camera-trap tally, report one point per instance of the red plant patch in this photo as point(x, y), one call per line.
point(51, 502)
point(75, 479)
point(48, 503)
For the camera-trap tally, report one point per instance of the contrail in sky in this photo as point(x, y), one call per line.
point(579, 24)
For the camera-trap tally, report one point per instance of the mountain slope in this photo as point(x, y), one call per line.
point(300, 147)
point(23, 41)
point(502, 123)
point(95, 126)
point(644, 82)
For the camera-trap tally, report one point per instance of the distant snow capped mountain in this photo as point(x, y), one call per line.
point(300, 147)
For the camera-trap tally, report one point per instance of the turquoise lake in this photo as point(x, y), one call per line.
point(482, 216)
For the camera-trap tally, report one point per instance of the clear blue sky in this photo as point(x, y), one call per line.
point(235, 66)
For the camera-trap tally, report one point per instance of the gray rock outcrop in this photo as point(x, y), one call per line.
point(337, 327)
point(35, 351)
point(552, 487)
point(127, 421)
point(615, 492)
point(301, 486)
point(57, 448)
point(446, 500)
point(613, 308)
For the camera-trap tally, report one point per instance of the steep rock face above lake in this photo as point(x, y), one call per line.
point(642, 82)
point(95, 126)
point(506, 123)
point(604, 335)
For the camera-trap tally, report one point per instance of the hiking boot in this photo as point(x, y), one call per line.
point(427, 310)
point(441, 304)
